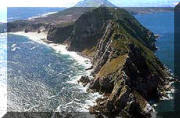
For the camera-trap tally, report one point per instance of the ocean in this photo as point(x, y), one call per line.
point(3, 74)
point(42, 79)
point(162, 24)
point(22, 13)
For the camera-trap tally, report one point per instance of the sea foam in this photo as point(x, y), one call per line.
point(3, 74)
point(59, 48)
point(62, 49)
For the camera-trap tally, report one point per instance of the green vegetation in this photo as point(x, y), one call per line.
point(60, 34)
point(122, 53)
point(89, 52)
point(112, 66)
point(140, 99)
point(121, 50)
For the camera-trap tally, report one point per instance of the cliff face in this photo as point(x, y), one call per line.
point(69, 15)
point(25, 25)
point(128, 71)
point(59, 34)
point(124, 65)
point(59, 19)
point(90, 27)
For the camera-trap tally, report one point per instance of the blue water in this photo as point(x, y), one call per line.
point(47, 72)
point(163, 25)
point(39, 79)
point(22, 13)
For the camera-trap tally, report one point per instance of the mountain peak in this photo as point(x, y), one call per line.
point(94, 3)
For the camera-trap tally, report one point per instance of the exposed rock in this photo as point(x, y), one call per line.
point(59, 19)
point(89, 68)
point(22, 25)
point(99, 116)
point(26, 31)
point(125, 67)
point(124, 64)
point(39, 31)
point(94, 85)
point(59, 34)
point(70, 15)
point(84, 80)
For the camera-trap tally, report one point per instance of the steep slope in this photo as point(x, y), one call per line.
point(94, 3)
point(125, 68)
point(94, 25)
point(61, 18)
point(69, 16)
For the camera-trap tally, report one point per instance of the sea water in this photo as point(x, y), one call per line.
point(42, 79)
point(162, 24)
point(51, 75)
point(23, 13)
point(3, 73)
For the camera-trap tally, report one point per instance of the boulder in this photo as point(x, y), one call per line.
point(84, 80)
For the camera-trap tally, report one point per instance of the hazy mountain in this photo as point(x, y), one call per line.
point(94, 3)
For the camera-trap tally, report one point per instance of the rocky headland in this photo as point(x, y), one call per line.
point(125, 68)
point(121, 50)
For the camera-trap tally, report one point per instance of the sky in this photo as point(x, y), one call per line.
point(145, 3)
point(69, 3)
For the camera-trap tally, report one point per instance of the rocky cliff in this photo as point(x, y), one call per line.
point(95, 23)
point(27, 26)
point(69, 16)
point(125, 68)
point(59, 19)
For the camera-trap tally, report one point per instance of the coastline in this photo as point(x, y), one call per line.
point(62, 49)
point(86, 62)
point(59, 48)
point(41, 16)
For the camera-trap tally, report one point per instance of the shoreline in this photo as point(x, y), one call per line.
point(41, 38)
point(41, 16)
point(85, 61)
point(64, 47)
